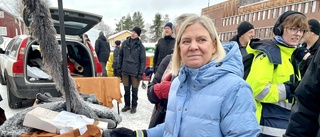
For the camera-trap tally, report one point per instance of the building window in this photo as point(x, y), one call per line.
point(3, 31)
point(280, 11)
point(230, 20)
point(271, 32)
point(222, 22)
point(274, 13)
point(306, 7)
point(227, 21)
point(269, 12)
point(258, 16)
point(254, 16)
point(292, 6)
point(234, 20)
point(1, 14)
point(256, 32)
point(299, 7)
point(314, 6)
point(250, 17)
point(241, 18)
point(286, 8)
point(245, 17)
point(261, 33)
point(267, 33)
point(237, 19)
point(264, 15)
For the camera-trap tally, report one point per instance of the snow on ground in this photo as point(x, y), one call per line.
point(139, 120)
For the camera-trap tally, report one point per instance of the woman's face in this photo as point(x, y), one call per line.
point(292, 36)
point(196, 46)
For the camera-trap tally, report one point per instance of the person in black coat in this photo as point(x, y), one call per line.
point(116, 58)
point(311, 43)
point(305, 113)
point(164, 46)
point(102, 49)
point(132, 61)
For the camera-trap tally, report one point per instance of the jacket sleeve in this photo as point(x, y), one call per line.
point(97, 47)
point(153, 98)
point(155, 57)
point(142, 59)
point(120, 57)
point(238, 113)
point(260, 79)
point(156, 131)
point(304, 121)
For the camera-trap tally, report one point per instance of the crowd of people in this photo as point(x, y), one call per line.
point(199, 88)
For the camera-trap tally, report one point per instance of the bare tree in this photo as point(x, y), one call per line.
point(105, 28)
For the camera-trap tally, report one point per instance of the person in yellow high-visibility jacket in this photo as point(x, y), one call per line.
point(273, 75)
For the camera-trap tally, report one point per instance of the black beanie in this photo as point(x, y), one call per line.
point(244, 27)
point(314, 26)
point(117, 42)
point(137, 30)
point(169, 24)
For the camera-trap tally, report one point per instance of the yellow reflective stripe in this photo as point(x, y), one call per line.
point(277, 132)
point(263, 93)
point(139, 133)
point(282, 92)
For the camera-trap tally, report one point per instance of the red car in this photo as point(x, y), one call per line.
point(21, 66)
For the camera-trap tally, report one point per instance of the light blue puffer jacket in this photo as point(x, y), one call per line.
point(211, 101)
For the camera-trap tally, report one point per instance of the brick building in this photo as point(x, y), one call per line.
point(9, 24)
point(261, 13)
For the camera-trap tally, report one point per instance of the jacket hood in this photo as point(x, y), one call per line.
point(102, 38)
point(231, 63)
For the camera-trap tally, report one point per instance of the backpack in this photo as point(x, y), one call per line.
point(266, 47)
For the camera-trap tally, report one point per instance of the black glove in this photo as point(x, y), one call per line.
point(139, 76)
point(124, 132)
point(291, 87)
point(300, 52)
point(119, 72)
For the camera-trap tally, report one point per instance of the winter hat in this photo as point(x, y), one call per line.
point(169, 24)
point(101, 33)
point(117, 42)
point(137, 30)
point(244, 27)
point(314, 26)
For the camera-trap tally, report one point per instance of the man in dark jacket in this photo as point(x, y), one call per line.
point(164, 46)
point(311, 43)
point(116, 58)
point(245, 34)
point(132, 61)
point(305, 113)
point(102, 49)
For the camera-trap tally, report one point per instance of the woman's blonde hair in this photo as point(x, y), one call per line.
point(209, 26)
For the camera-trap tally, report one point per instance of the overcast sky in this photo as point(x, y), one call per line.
point(113, 10)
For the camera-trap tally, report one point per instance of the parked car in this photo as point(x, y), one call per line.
point(21, 66)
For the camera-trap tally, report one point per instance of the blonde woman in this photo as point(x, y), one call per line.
point(209, 98)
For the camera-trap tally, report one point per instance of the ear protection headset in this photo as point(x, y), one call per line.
point(277, 29)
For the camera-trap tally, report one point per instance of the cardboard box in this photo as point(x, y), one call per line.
point(41, 118)
point(55, 122)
